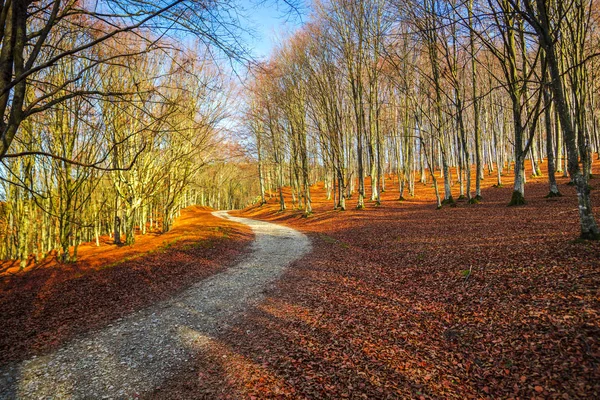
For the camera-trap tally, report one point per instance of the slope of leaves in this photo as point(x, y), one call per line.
point(406, 301)
point(45, 306)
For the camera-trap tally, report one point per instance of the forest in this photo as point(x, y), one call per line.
point(394, 170)
point(372, 89)
point(114, 130)
point(108, 126)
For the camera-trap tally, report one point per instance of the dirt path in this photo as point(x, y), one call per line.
point(135, 354)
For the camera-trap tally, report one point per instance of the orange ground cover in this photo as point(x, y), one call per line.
point(90, 256)
point(424, 193)
point(406, 301)
point(45, 305)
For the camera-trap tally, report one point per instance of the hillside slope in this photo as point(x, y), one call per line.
point(406, 301)
point(45, 306)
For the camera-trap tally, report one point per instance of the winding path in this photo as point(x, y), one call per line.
point(135, 354)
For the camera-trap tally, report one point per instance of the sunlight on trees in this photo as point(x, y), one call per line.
point(112, 118)
point(117, 114)
point(449, 89)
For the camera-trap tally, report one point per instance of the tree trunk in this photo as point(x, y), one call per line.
point(589, 228)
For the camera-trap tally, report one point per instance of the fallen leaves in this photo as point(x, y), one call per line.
point(44, 307)
point(381, 307)
point(390, 314)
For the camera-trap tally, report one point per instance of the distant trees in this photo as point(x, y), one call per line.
point(156, 143)
point(435, 87)
point(109, 125)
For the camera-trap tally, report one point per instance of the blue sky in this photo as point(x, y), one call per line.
point(270, 20)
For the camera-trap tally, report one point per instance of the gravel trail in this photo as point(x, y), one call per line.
point(136, 354)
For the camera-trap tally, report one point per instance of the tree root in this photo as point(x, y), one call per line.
point(551, 195)
point(448, 201)
point(517, 199)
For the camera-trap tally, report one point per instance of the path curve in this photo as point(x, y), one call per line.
point(135, 354)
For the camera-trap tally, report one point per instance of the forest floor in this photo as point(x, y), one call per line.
point(136, 353)
point(47, 304)
point(396, 301)
point(405, 301)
